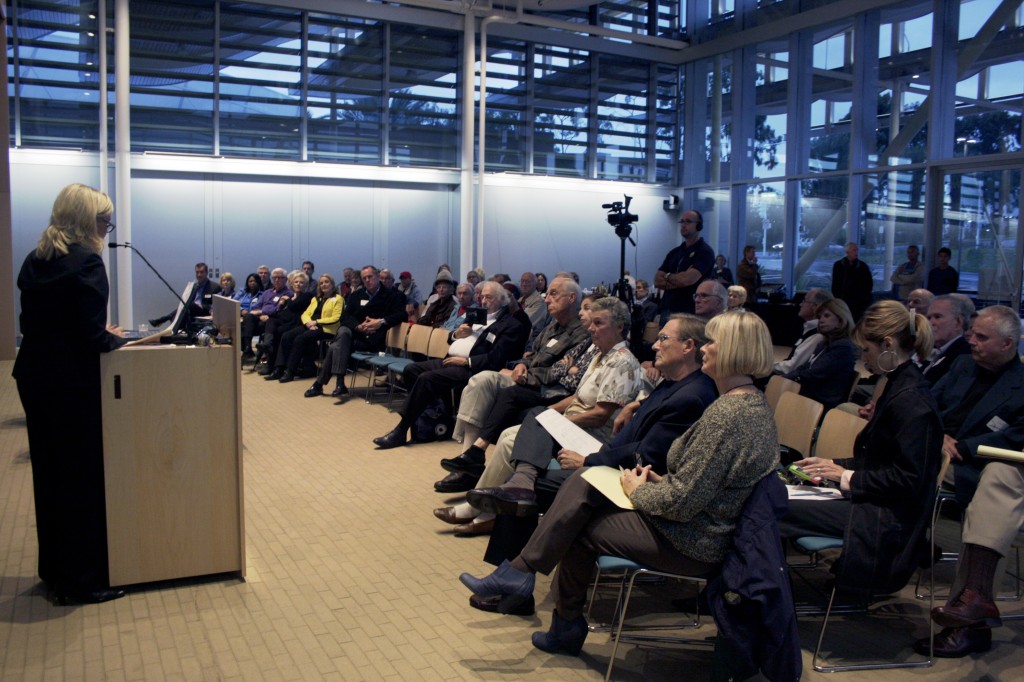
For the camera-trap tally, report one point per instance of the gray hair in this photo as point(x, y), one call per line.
point(616, 308)
point(817, 296)
point(1007, 320)
point(503, 292)
point(962, 307)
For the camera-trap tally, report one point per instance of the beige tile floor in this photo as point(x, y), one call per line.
point(349, 578)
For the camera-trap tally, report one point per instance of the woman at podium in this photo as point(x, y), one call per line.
point(64, 291)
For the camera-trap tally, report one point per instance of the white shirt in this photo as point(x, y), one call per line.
point(461, 348)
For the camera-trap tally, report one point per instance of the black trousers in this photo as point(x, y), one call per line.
point(428, 381)
point(299, 344)
point(509, 407)
point(251, 328)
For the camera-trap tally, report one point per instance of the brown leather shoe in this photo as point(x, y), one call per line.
point(471, 528)
point(970, 610)
point(957, 642)
point(447, 514)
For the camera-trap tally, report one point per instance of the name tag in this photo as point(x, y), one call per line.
point(363, 302)
point(552, 342)
point(491, 338)
point(276, 299)
point(996, 424)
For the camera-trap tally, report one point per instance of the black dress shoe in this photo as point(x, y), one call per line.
point(339, 391)
point(264, 369)
point(393, 439)
point(465, 463)
point(501, 604)
point(90, 597)
point(957, 642)
point(512, 501)
point(275, 375)
point(456, 483)
point(286, 377)
point(314, 390)
point(970, 610)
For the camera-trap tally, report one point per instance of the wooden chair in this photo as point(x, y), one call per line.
point(778, 385)
point(417, 342)
point(437, 347)
point(837, 435)
point(796, 418)
point(394, 349)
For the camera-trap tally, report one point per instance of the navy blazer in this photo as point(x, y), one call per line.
point(937, 368)
point(996, 420)
point(666, 414)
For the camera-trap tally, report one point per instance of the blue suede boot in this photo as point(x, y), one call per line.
point(505, 580)
point(563, 637)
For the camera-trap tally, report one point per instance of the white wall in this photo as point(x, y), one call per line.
point(236, 214)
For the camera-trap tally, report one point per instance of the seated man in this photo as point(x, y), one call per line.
point(369, 312)
point(919, 300)
point(473, 349)
point(981, 398)
point(465, 296)
point(531, 379)
point(532, 303)
point(810, 339)
point(199, 299)
point(710, 299)
point(612, 380)
point(994, 518)
point(949, 316)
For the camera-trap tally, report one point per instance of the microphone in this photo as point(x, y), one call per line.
point(177, 297)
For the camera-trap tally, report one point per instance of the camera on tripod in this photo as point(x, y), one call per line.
point(619, 215)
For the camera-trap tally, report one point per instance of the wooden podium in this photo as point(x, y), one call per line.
point(172, 441)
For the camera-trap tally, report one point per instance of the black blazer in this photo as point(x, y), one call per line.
point(896, 460)
point(387, 304)
point(504, 340)
point(208, 289)
point(938, 367)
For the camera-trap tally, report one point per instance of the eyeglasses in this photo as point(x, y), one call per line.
point(689, 221)
point(106, 221)
point(700, 296)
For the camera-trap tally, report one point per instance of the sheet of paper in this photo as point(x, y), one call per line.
point(810, 492)
point(999, 453)
point(608, 482)
point(567, 434)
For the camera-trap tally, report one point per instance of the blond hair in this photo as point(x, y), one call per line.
point(744, 344)
point(73, 221)
point(911, 331)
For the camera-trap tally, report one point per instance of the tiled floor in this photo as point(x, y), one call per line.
point(350, 577)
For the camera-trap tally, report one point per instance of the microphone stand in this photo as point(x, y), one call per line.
point(177, 297)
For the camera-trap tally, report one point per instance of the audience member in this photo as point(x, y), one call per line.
point(908, 276)
point(473, 349)
point(749, 273)
point(319, 322)
point(475, 276)
point(227, 285)
point(890, 480)
point(287, 316)
point(948, 315)
point(542, 283)
point(249, 305)
point(312, 285)
point(721, 272)
point(199, 299)
point(411, 291)
point(612, 380)
point(264, 272)
point(681, 522)
point(344, 288)
point(269, 302)
point(387, 280)
point(737, 297)
point(440, 311)
point(809, 339)
point(369, 312)
point(501, 278)
point(943, 278)
point(827, 376)
point(684, 268)
point(645, 310)
point(981, 398)
point(532, 303)
point(710, 299)
point(994, 518)
point(852, 281)
point(919, 300)
point(465, 296)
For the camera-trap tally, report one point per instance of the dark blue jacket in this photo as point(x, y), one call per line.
point(751, 599)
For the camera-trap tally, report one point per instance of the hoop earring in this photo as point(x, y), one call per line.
point(895, 362)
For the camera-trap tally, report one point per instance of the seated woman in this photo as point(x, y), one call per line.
point(287, 316)
point(890, 480)
point(227, 285)
point(683, 521)
point(320, 321)
point(737, 297)
point(826, 376)
point(249, 303)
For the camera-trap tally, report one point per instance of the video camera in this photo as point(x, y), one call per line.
point(619, 215)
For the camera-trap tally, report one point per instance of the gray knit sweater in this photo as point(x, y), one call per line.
point(712, 468)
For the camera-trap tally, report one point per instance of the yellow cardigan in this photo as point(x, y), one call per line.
point(330, 316)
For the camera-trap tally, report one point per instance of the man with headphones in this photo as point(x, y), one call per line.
point(684, 268)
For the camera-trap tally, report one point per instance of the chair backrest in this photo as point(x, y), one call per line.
point(438, 345)
point(778, 385)
point(837, 434)
point(651, 332)
point(854, 380)
point(796, 419)
point(395, 340)
point(418, 339)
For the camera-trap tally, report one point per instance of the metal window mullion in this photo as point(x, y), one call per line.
point(863, 114)
point(16, 63)
point(304, 96)
point(592, 123)
point(216, 78)
point(529, 112)
point(652, 121)
point(385, 119)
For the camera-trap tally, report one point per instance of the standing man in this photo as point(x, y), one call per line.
point(943, 279)
point(684, 268)
point(908, 276)
point(748, 274)
point(851, 281)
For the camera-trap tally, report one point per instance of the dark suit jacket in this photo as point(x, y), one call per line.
point(829, 377)
point(1002, 404)
point(208, 289)
point(853, 283)
point(938, 367)
point(896, 460)
point(387, 304)
point(501, 342)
